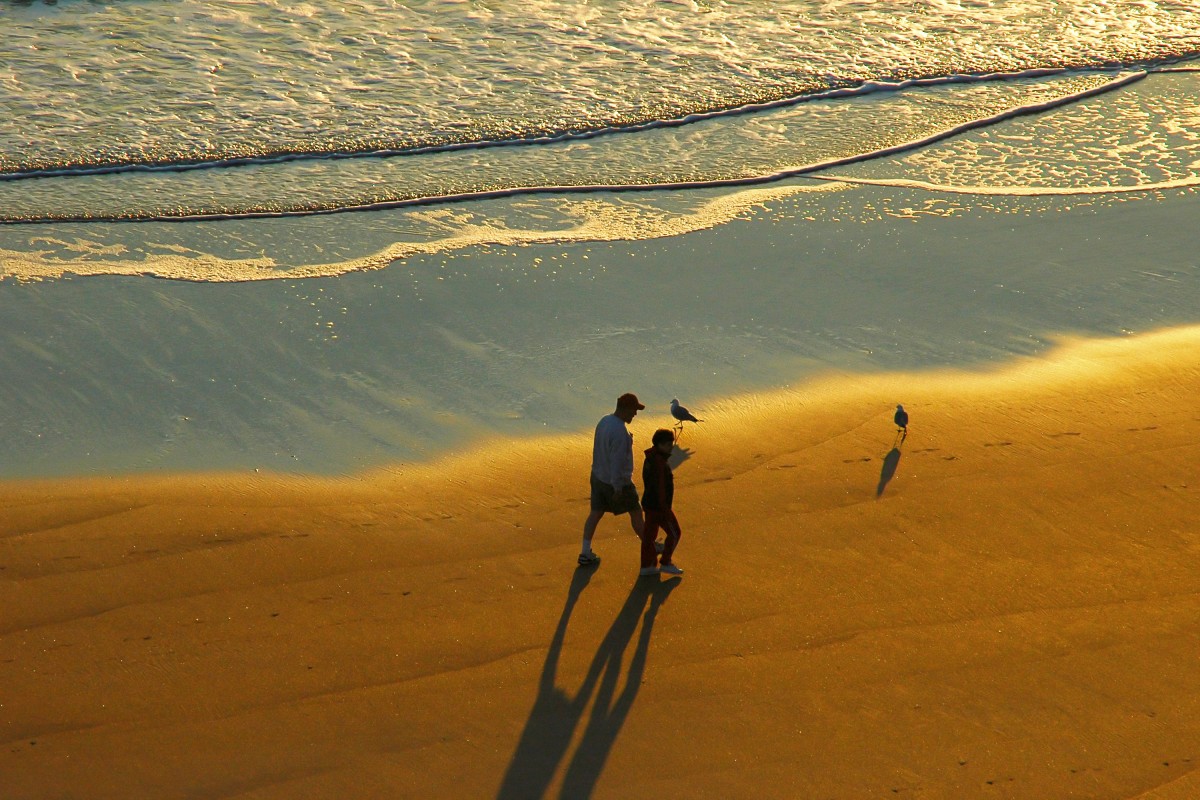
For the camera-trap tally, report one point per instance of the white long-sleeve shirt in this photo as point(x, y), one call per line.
point(612, 452)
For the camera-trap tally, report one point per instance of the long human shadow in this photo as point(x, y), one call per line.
point(611, 709)
point(554, 717)
point(890, 462)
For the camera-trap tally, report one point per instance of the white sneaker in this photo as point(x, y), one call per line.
point(670, 569)
point(588, 559)
point(649, 571)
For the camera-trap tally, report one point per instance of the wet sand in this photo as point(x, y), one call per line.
point(1006, 605)
point(116, 375)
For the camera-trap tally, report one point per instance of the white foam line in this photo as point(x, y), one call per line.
point(982, 122)
point(807, 170)
point(598, 225)
point(1019, 191)
point(864, 88)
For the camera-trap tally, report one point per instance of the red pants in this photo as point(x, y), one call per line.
point(655, 520)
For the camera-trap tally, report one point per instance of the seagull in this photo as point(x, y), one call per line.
point(901, 420)
point(681, 414)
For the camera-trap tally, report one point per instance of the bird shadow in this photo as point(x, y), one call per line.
point(888, 471)
point(678, 456)
point(555, 716)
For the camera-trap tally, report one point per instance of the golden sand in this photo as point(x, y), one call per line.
point(1007, 605)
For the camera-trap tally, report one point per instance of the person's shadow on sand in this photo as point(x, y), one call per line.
point(554, 717)
point(890, 462)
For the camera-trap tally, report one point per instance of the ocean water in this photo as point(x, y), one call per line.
point(327, 236)
point(252, 110)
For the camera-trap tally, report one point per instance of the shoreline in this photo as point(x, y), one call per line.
point(136, 376)
point(1010, 612)
point(1069, 361)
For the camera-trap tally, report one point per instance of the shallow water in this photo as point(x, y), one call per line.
point(91, 83)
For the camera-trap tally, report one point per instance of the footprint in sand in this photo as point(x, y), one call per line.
point(997, 444)
point(783, 466)
point(1064, 433)
point(1149, 428)
point(855, 460)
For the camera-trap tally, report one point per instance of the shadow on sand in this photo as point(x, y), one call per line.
point(678, 456)
point(890, 462)
point(555, 716)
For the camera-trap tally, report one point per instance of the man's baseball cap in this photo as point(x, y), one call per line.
point(629, 400)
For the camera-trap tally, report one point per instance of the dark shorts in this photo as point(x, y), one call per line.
point(606, 498)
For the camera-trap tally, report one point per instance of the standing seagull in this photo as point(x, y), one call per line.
point(681, 415)
point(901, 420)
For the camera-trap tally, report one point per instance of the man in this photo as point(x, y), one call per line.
point(612, 474)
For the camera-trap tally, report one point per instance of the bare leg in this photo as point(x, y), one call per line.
point(637, 522)
point(589, 525)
